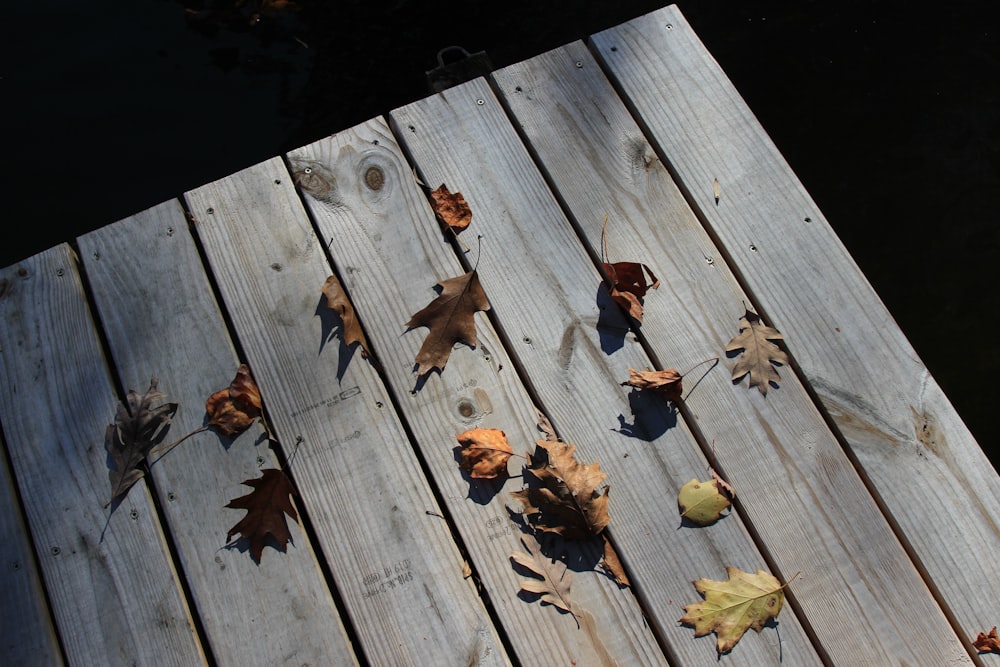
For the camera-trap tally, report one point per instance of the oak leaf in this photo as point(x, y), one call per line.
point(337, 301)
point(554, 586)
point(731, 607)
point(566, 500)
point(666, 382)
point(759, 353)
point(141, 422)
point(702, 502)
point(266, 505)
point(450, 318)
point(484, 452)
point(233, 409)
point(451, 208)
point(987, 643)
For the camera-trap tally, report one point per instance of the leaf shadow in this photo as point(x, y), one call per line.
point(481, 491)
point(332, 326)
point(579, 555)
point(242, 545)
point(652, 416)
point(612, 324)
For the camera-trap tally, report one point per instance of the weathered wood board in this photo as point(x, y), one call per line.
point(917, 455)
point(161, 319)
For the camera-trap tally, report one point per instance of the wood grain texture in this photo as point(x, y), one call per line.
point(912, 446)
point(390, 249)
point(396, 566)
point(573, 348)
point(29, 637)
point(796, 486)
point(161, 319)
point(115, 600)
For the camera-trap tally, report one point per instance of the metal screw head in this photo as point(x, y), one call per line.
point(480, 101)
point(59, 272)
point(579, 64)
point(210, 210)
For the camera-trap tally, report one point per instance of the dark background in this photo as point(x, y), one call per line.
point(887, 111)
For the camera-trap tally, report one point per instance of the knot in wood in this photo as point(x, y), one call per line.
point(466, 408)
point(374, 178)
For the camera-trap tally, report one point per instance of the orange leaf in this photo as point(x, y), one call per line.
point(988, 643)
point(484, 452)
point(337, 301)
point(666, 382)
point(629, 285)
point(233, 409)
point(451, 208)
point(266, 507)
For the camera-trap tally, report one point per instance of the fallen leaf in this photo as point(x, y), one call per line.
point(451, 208)
point(666, 382)
point(450, 318)
point(266, 507)
point(484, 452)
point(987, 643)
point(141, 422)
point(731, 607)
point(566, 501)
point(724, 486)
point(613, 565)
point(702, 502)
point(545, 426)
point(759, 353)
point(626, 280)
point(336, 300)
point(555, 576)
point(233, 409)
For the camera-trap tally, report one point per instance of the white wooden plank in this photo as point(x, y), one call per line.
point(547, 301)
point(116, 600)
point(914, 449)
point(807, 504)
point(29, 637)
point(396, 566)
point(160, 318)
point(388, 247)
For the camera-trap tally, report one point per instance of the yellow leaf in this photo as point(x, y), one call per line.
point(731, 607)
point(702, 502)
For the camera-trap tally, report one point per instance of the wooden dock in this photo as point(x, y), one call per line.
point(856, 481)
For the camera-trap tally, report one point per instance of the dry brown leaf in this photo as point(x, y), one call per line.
point(613, 565)
point(556, 578)
point(723, 485)
point(484, 452)
point(545, 426)
point(141, 422)
point(566, 500)
point(759, 353)
point(450, 318)
point(731, 607)
point(666, 382)
point(266, 507)
point(451, 208)
point(233, 409)
point(629, 285)
point(987, 643)
point(336, 300)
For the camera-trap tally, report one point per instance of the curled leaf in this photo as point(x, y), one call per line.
point(337, 301)
point(666, 382)
point(451, 208)
point(233, 409)
point(484, 452)
point(987, 643)
point(141, 422)
point(702, 502)
point(629, 285)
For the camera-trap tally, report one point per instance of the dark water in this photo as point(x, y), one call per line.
point(889, 114)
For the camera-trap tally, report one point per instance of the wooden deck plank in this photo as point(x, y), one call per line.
point(29, 637)
point(571, 346)
point(396, 566)
point(390, 251)
point(914, 449)
point(161, 319)
point(797, 488)
point(115, 600)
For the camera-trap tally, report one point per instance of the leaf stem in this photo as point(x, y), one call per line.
point(715, 359)
point(163, 450)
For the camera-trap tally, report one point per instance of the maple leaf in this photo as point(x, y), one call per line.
point(555, 576)
point(731, 607)
point(702, 502)
point(484, 452)
point(987, 643)
point(141, 422)
point(233, 409)
point(337, 301)
point(666, 382)
point(566, 501)
point(759, 353)
point(266, 507)
point(450, 318)
point(451, 208)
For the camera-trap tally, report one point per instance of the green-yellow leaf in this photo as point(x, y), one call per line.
point(702, 502)
point(731, 607)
